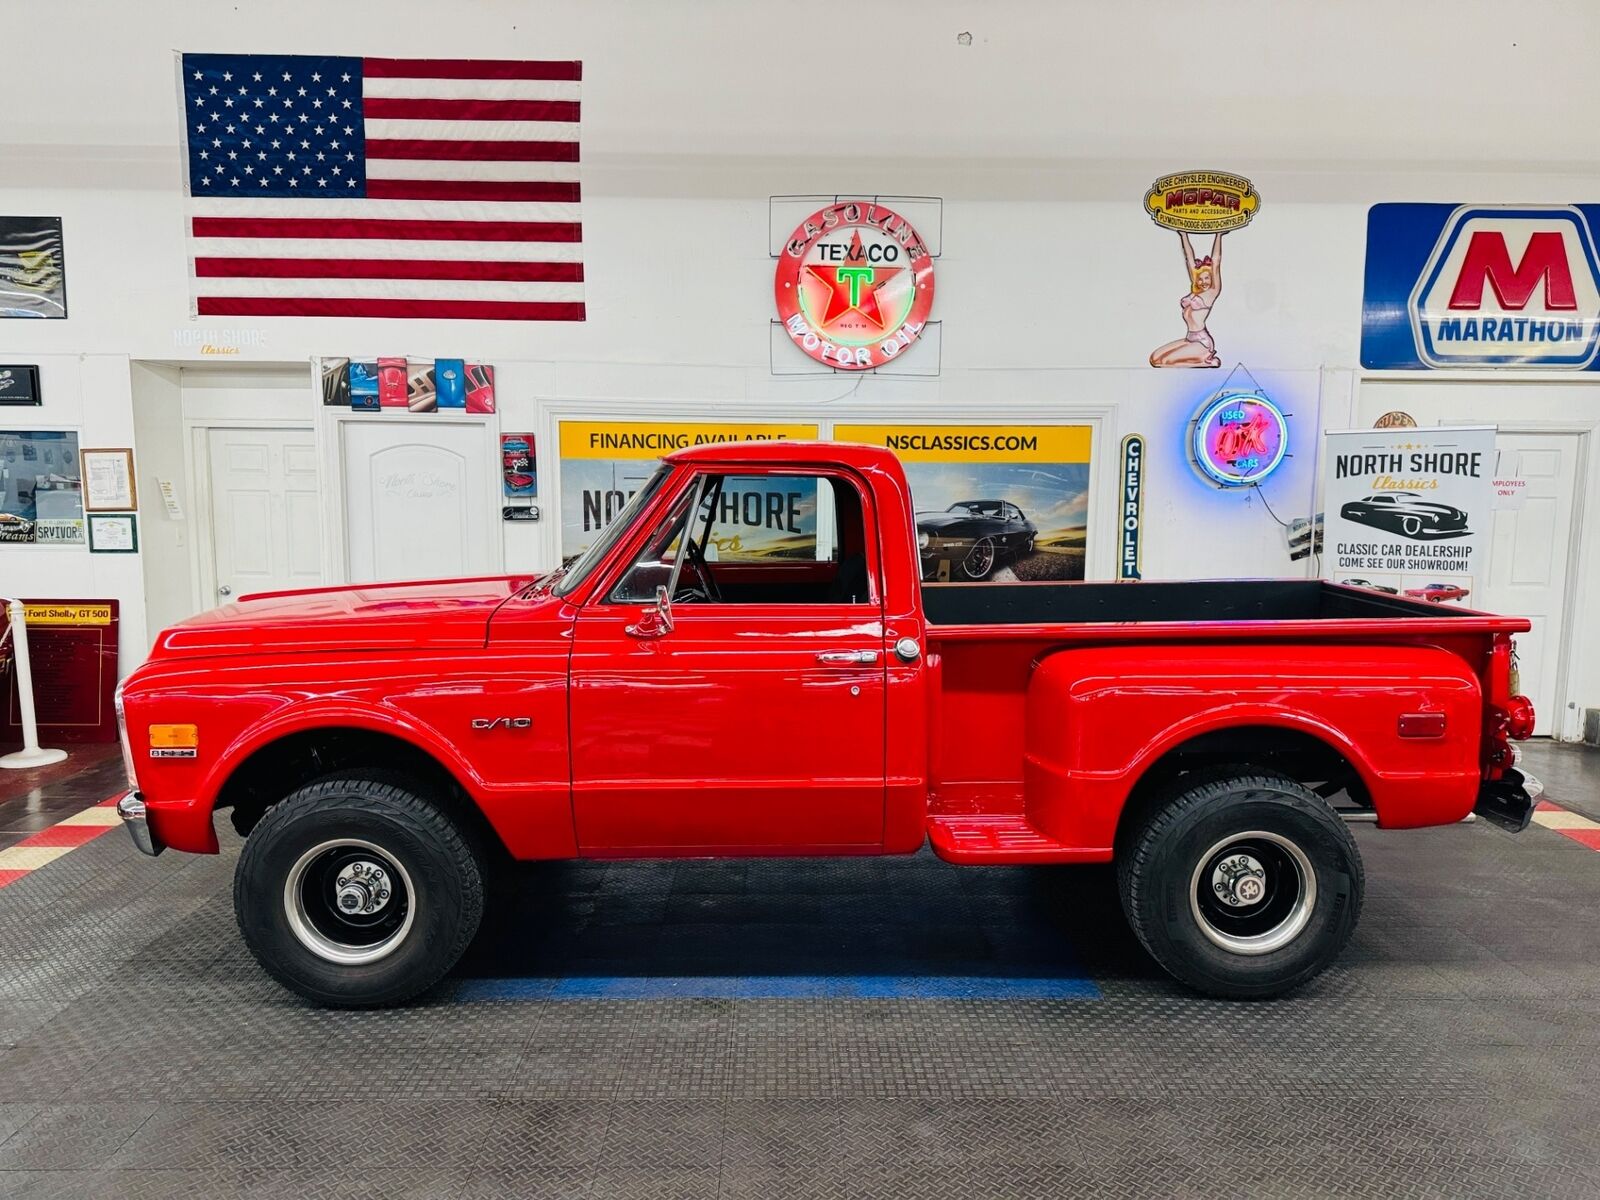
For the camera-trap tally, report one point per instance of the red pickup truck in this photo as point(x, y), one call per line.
point(746, 662)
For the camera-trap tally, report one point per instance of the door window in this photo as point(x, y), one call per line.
point(766, 538)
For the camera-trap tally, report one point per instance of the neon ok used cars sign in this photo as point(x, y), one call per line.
point(1238, 439)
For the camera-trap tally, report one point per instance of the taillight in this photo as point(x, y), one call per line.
point(1519, 718)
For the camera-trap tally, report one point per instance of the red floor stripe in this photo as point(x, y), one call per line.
point(1587, 837)
point(65, 835)
point(11, 877)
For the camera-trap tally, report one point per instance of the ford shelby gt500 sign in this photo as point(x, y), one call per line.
point(854, 285)
point(1481, 286)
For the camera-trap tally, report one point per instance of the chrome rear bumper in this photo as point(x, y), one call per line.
point(1510, 800)
point(131, 809)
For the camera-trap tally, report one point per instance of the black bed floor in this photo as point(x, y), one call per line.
point(1454, 1051)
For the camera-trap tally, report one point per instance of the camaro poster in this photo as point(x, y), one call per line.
point(1408, 510)
point(997, 503)
point(604, 462)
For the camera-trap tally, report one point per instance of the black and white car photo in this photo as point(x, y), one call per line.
point(1408, 515)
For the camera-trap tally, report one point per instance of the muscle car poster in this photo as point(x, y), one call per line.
point(998, 503)
point(1408, 510)
point(604, 462)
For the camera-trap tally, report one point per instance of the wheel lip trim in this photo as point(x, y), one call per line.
point(1281, 934)
point(313, 939)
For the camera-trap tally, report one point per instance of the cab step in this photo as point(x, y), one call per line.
point(1001, 838)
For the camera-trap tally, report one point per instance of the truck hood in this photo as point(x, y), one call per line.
point(427, 614)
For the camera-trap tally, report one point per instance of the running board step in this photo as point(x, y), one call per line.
point(1005, 838)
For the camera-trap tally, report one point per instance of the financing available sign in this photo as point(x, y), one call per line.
point(1453, 286)
point(1408, 510)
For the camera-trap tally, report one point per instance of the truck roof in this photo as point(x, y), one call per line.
point(784, 450)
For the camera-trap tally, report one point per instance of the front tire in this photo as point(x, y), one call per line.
point(980, 559)
point(1244, 885)
point(357, 891)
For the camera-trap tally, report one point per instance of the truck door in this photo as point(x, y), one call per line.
point(747, 713)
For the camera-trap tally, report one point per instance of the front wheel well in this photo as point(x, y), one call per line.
point(1300, 756)
point(273, 771)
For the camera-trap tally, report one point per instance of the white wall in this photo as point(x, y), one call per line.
point(1041, 137)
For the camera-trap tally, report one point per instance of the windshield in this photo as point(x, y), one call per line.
point(585, 563)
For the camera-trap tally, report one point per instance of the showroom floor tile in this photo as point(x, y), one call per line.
point(789, 1029)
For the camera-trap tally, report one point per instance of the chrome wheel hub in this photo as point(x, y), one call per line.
point(349, 901)
point(363, 888)
point(1253, 892)
point(1239, 881)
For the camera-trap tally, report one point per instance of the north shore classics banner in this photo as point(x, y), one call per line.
point(1408, 510)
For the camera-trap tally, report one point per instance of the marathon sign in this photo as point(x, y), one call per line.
point(1453, 286)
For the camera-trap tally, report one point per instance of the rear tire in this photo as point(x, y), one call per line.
point(1244, 885)
point(357, 891)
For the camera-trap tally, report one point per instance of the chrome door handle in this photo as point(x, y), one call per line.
point(224, 590)
point(848, 658)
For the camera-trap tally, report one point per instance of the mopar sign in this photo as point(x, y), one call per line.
point(1481, 286)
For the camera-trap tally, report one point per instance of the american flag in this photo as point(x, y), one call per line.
point(383, 187)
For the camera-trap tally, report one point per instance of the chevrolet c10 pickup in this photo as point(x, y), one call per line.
point(747, 662)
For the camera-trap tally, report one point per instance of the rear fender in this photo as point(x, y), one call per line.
point(1099, 719)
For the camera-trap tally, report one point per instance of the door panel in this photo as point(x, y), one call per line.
point(1528, 559)
point(418, 498)
point(261, 492)
point(729, 731)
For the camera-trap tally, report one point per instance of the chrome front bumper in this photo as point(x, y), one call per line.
point(131, 809)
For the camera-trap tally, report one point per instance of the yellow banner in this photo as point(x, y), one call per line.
point(975, 443)
point(68, 614)
point(652, 439)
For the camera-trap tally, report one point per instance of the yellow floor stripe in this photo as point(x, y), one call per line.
point(29, 858)
point(97, 815)
point(1553, 819)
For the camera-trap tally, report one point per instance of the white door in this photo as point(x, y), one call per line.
point(1528, 559)
point(421, 499)
point(265, 532)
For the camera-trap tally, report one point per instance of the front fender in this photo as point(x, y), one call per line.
point(181, 794)
point(1099, 719)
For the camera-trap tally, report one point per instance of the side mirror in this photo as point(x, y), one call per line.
point(655, 621)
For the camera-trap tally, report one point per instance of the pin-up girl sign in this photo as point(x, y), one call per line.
point(1204, 202)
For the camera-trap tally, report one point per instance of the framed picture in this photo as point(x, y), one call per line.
point(33, 271)
point(518, 464)
point(41, 496)
point(113, 533)
point(108, 481)
point(19, 385)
